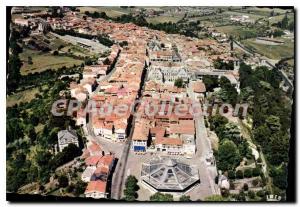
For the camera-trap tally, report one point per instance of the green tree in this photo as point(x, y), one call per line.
point(228, 156)
point(178, 83)
point(184, 198)
point(161, 197)
point(63, 181)
point(256, 171)
point(239, 174)
point(79, 188)
point(231, 132)
point(248, 173)
point(131, 188)
point(210, 82)
point(244, 149)
point(231, 174)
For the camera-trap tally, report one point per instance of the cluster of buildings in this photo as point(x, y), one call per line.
point(165, 131)
point(144, 69)
point(99, 165)
point(241, 19)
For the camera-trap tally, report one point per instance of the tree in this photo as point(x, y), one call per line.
point(273, 122)
point(63, 181)
point(228, 92)
point(210, 82)
point(239, 174)
point(284, 22)
point(185, 198)
point(68, 154)
point(231, 42)
point(30, 131)
point(256, 171)
point(245, 72)
point(30, 60)
point(228, 156)
point(231, 174)
point(245, 187)
point(179, 83)
point(79, 188)
point(248, 173)
point(231, 132)
point(244, 149)
point(130, 188)
point(217, 123)
point(161, 197)
point(55, 53)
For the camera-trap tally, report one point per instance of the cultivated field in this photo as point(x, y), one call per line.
point(43, 61)
point(163, 19)
point(110, 11)
point(272, 51)
point(22, 96)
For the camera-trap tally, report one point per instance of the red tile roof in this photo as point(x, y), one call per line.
point(96, 186)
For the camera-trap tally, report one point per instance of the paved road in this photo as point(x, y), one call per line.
point(119, 173)
point(203, 147)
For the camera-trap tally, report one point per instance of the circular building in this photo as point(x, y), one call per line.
point(163, 174)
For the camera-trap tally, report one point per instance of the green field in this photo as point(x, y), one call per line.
point(278, 18)
point(276, 52)
point(43, 61)
point(22, 96)
point(110, 11)
point(265, 11)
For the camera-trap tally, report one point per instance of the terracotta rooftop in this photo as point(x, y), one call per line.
point(96, 186)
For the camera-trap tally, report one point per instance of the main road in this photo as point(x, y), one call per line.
point(118, 177)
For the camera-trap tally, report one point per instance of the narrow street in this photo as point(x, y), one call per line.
point(203, 148)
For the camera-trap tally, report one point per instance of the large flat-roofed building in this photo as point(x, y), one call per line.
point(163, 174)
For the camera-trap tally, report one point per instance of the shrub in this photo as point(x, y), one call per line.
point(248, 173)
point(259, 160)
point(251, 194)
point(231, 174)
point(246, 187)
point(255, 182)
point(256, 171)
point(239, 174)
point(232, 187)
point(261, 193)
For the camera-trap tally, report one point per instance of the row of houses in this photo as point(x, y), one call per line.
point(99, 165)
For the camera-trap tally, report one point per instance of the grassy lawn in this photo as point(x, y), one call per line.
point(110, 11)
point(271, 51)
point(77, 51)
point(23, 96)
point(43, 61)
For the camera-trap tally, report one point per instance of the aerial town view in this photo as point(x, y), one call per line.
point(152, 104)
